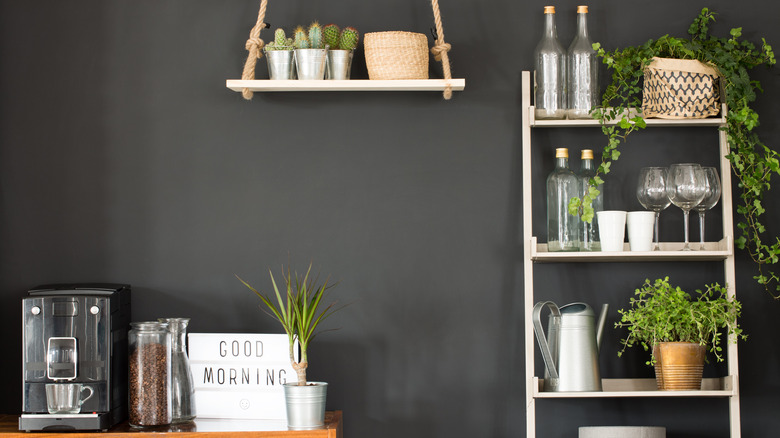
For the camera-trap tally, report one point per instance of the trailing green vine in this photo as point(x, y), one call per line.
point(752, 162)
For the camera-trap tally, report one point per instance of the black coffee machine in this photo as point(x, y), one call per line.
point(75, 333)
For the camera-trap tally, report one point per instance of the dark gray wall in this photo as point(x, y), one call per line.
point(124, 158)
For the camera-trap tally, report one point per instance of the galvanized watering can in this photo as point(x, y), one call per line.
point(571, 348)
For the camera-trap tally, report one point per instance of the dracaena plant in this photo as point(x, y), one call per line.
point(298, 307)
point(661, 312)
point(752, 162)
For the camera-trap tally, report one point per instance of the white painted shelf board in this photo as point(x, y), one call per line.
point(267, 85)
point(670, 251)
point(642, 388)
point(582, 123)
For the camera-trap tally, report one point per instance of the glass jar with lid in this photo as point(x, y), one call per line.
point(149, 374)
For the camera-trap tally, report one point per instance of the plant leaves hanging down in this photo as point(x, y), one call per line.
point(752, 162)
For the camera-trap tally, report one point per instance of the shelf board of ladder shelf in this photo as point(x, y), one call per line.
point(638, 388)
point(581, 123)
point(669, 251)
point(267, 85)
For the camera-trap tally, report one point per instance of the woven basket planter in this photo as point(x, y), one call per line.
point(680, 89)
point(396, 55)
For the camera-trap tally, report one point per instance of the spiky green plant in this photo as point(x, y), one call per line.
point(280, 42)
point(330, 34)
point(348, 40)
point(301, 39)
point(315, 36)
point(280, 39)
point(298, 311)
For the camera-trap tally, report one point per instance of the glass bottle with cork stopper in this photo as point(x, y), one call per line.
point(589, 231)
point(562, 185)
point(581, 71)
point(550, 70)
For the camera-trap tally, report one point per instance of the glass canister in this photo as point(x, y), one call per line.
point(183, 389)
point(149, 374)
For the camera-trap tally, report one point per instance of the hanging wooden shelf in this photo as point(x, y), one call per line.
point(267, 85)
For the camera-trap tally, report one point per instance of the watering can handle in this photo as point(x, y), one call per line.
point(541, 338)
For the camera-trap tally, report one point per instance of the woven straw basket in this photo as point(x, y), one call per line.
point(396, 55)
point(680, 89)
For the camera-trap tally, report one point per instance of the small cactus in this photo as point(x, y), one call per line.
point(280, 42)
point(315, 36)
point(280, 39)
point(348, 40)
point(301, 40)
point(330, 34)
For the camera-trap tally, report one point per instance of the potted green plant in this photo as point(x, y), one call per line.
point(752, 162)
point(279, 54)
point(341, 44)
point(310, 52)
point(665, 318)
point(298, 307)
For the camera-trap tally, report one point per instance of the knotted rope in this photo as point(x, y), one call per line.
point(254, 45)
point(440, 50)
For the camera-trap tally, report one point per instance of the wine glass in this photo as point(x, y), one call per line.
point(651, 193)
point(686, 188)
point(711, 197)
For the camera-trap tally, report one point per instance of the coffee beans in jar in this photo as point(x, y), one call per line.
point(149, 374)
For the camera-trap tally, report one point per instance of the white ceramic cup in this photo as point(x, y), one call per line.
point(640, 230)
point(612, 229)
point(66, 398)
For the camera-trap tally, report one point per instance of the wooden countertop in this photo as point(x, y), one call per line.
point(200, 428)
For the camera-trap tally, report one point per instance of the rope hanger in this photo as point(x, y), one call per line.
point(254, 45)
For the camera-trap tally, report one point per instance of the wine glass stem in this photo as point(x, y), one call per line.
point(701, 228)
point(686, 247)
point(655, 231)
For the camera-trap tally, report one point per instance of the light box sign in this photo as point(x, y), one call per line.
point(240, 375)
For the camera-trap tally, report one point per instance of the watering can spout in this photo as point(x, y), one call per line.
point(600, 324)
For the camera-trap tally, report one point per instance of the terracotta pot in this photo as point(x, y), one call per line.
point(679, 365)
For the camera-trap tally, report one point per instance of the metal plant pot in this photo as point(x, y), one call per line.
point(311, 63)
point(305, 405)
point(280, 64)
point(680, 365)
point(339, 64)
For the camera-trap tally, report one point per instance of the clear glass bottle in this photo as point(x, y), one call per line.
point(149, 374)
point(550, 69)
point(183, 388)
point(562, 185)
point(581, 71)
point(589, 232)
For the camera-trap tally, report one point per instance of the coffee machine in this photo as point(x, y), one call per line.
point(75, 334)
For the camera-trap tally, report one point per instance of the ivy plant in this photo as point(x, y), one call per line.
point(661, 312)
point(752, 162)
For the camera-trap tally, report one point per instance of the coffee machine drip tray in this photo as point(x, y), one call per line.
point(64, 422)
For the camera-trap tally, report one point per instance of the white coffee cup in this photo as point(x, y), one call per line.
point(612, 229)
point(640, 230)
point(65, 398)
